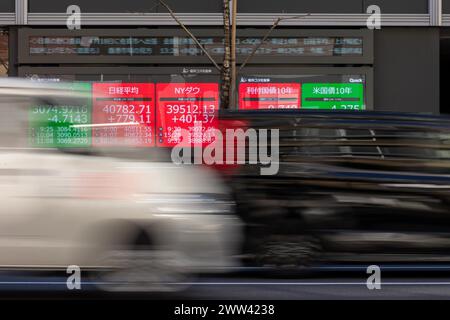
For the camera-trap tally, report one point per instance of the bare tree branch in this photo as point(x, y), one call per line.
point(233, 54)
point(275, 24)
point(191, 35)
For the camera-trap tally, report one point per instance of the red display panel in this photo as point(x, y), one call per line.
point(189, 106)
point(123, 114)
point(269, 96)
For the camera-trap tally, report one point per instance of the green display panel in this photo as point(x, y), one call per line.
point(55, 126)
point(333, 96)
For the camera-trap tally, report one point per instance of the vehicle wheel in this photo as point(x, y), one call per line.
point(141, 267)
point(288, 254)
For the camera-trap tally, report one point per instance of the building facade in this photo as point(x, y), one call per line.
point(322, 56)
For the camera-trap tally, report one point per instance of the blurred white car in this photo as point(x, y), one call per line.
point(132, 223)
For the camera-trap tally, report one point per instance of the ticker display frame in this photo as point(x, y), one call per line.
point(211, 72)
point(366, 71)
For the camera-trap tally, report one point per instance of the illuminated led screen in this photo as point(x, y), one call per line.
point(327, 92)
point(186, 106)
point(129, 114)
point(157, 114)
point(123, 114)
point(61, 125)
point(184, 46)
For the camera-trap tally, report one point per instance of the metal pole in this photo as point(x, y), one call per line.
point(233, 56)
point(435, 11)
point(21, 12)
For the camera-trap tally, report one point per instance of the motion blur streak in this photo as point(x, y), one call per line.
point(352, 187)
point(101, 208)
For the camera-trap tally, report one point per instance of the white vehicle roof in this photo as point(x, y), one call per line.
point(27, 87)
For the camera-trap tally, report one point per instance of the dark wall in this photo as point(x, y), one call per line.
point(445, 65)
point(333, 6)
point(446, 6)
point(399, 6)
point(406, 70)
point(245, 6)
point(7, 6)
point(125, 6)
point(289, 6)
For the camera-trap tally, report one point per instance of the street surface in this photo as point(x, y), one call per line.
point(431, 283)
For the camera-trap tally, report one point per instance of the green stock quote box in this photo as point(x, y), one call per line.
point(60, 125)
point(333, 96)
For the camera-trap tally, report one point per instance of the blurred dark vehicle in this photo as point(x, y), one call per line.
point(353, 187)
